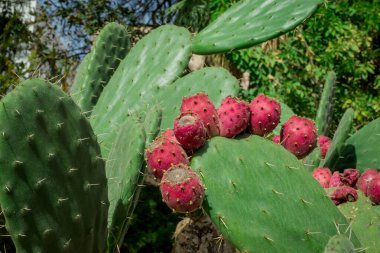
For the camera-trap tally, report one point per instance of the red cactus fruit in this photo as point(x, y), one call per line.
point(233, 116)
point(163, 153)
point(324, 148)
point(323, 176)
point(169, 134)
point(181, 189)
point(265, 115)
point(299, 136)
point(365, 178)
point(374, 190)
point(335, 180)
point(189, 131)
point(201, 104)
point(322, 139)
point(276, 139)
point(344, 194)
point(350, 177)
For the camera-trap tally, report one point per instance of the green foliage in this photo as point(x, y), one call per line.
point(342, 36)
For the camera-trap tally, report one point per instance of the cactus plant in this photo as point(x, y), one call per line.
point(250, 22)
point(123, 173)
point(326, 105)
point(54, 188)
point(111, 46)
point(254, 187)
point(340, 136)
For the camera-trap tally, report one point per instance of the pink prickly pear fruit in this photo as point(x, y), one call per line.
point(169, 135)
point(163, 153)
point(299, 136)
point(189, 131)
point(324, 148)
point(265, 115)
point(322, 139)
point(181, 189)
point(350, 177)
point(323, 176)
point(374, 190)
point(201, 105)
point(365, 179)
point(344, 194)
point(233, 116)
point(276, 139)
point(335, 180)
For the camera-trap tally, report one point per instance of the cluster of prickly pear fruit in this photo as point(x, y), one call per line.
point(199, 120)
point(346, 184)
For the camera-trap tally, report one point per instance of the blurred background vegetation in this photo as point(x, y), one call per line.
point(344, 36)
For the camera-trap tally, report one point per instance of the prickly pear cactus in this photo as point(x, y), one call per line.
point(123, 173)
point(262, 199)
point(340, 136)
point(153, 63)
point(365, 222)
point(362, 149)
point(326, 105)
point(54, 188)
point(111, 46)
point(250, 22)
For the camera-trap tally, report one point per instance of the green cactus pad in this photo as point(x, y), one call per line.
point(123, 172)
point(262, 199)
point(339, 244)
point(111, 46)
point(365, 222)
point(53, 183)
point(337, 145)
point(286, 113)
point(153, 63)
point(152, 123)
point(326, 105)
point(250, 22)
point(361, 151)
point(218, 83)
point(313, 159)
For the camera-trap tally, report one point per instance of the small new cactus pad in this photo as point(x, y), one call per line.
point(323, 176)
point(111, 46)
point(181, 189)
point(265, 115)
point(257, 192)
point(361, 150)
point(299, 136)
point(365, 178)
point(250, 22)
point(234, 116)
point(365, 222)
point(53, 182)
point(326, 105)
point(339, 244)
point(154, 62)
point(201, 105)
point(190, 131)
point(337, 145)
point(163, 153)
point(124, 171)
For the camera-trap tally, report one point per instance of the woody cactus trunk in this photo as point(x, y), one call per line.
point(73, 167)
